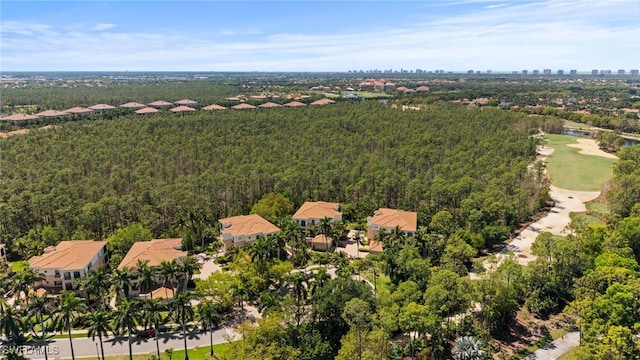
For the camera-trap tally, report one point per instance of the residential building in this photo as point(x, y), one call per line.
point(621, 71)
point(525, 72)
point(389, 219)
point(573, 72)
point(152, 252)
point(68, 261)
point(244, 229)
point(560, 72)
point(312, 212)
point(536, 72)
point(633, 72)
point(546, 71)
point(320, 243)
point(594, 72)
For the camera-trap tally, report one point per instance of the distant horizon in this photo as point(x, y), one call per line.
point(319, 36)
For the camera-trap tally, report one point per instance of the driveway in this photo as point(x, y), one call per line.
point(558, 347)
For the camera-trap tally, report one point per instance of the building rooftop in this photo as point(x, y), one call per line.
point(68, 255)
point(147, 110)
point(390, 218)
point(101, 107)
point(78, 110)
point(317, 210)
point(133, 105)
point(214, 107)
point(154, 251)
point(182, 108)
point(245, 225)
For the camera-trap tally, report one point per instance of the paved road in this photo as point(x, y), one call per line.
point(85, 347)
point(558, 347)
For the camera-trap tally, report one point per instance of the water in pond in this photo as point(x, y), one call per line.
point(626, 142)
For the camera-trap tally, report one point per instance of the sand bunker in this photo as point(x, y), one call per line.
point(590, 147)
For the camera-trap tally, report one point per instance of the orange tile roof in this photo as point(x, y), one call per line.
point(154, 251)
point(101, 107)
point(317, 210)
point(78, 110)
point(51, 113)
point(243, 106)
point(160, 103)
point(214, 107)
point(390, 218)
point(294, 104)
point(147, 110)
point(269, 105)
point(324, 101)
point(182, 108)
point(68, 255)
point(245, 225)
point(16, 117)
point(133, 105)
point(163, 293)
point(186, 102)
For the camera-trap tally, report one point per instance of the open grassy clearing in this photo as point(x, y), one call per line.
point(598, 208)
point(19, 266)
point(568, 355)
point(587, 219)
point(573, 171)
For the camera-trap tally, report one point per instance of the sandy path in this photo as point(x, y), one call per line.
point(557, 219)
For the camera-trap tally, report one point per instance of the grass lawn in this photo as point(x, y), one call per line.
point(195, 354)
point(568, 355)
point(382, 281)
point(598, 208)
point(572, 171)
point(369, 94)
point(573, 124)
point(19, 266)
point(588, 219)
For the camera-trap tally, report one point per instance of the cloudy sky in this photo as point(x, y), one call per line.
point(454, 35)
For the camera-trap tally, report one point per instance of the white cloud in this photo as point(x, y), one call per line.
point(103, 26)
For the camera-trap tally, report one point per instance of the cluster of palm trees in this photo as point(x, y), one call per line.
point(104, 305)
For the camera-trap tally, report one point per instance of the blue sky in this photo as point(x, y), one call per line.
point(454, 35)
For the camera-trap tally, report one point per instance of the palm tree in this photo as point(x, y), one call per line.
point(24, 281)
point(241, 290)
point(298, 283)
point(152, 316)
point(468, 348)
point(39, 309)
point(126, 317)
point(269, 302)
point(258, 251)
point(67, 312)
point(146, 276)
point(209, 318)
point(11, 323)
point(121, 281)
point(319, 279)
point(168, 271)
point(182, 313)
point(99, 323)
point(326, 229)
point(187, 268)
point(99, 280)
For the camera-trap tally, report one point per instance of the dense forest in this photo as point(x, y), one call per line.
point(88, 179)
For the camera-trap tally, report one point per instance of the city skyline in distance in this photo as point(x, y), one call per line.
point(320, 36)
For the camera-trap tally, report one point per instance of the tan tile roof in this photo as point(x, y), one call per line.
point(133, 105)
point(17, 117)
point(376, 247)
point(269, 105)
point(102, 107)
point(163, 293)
point(51, 113)
point(160, 103)
point(390, 218)
point(147, 110)
point(294, 104)
point(78, 110)
point(214, 107)
point(68, 255)
point(186, 102)
point(182, 108)
point(258, 97)
point(422, 88)
point(243, 106)
point(155, 251)
point(245, 225)
point(324, 101)
point(317, 210)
